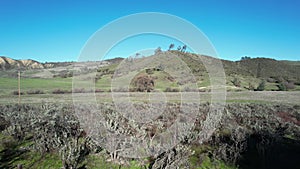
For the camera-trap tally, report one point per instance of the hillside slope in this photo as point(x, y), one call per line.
point(244, 74)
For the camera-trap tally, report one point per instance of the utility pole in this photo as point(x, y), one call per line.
point(19, 84)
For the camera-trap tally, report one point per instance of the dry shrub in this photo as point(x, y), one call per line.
point(286, 117)
point(35, 92)
point(143, 83)
point(61, 91)
point(168, 89)
point(99, 91)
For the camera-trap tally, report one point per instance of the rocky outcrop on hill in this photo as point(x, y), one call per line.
point(8, 63)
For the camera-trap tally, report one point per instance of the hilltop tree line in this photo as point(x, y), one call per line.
point(172, 46)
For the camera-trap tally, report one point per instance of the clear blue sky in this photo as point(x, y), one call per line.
point(56, 30)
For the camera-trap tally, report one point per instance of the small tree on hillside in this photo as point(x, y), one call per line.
point(236, 82)
point(157, 51)
point(137, 55)
point(179, 48)
point(281, 87)
point(261, 86)
point(171, 46)
point(245, 57)
point(183, 48)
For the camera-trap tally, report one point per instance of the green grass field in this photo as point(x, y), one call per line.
point(11, 84)
point(291, 97)
point(162, 82)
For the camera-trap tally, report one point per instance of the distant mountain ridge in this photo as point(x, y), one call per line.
point(8, 63)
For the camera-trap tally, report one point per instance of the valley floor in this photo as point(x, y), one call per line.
point(291, 97)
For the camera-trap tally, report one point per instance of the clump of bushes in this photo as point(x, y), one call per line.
point(290, 85)
point(29, 92)
point(17, 93)
point(169, 89)
point(63, 74)
point(120, 89)
point(261, 86)
point(99, 91)
point(236, 82)
point(52, 129)
point(281, 87)
point(143, 83)
point(149, 71)
point(188, 89)
point(61, 91)
point(35, 92)
point(81, 90)
point(284, 86)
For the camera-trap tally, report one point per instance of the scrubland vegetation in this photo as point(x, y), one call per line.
point(50, 136)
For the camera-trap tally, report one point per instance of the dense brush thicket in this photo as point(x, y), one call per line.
point(55, 128)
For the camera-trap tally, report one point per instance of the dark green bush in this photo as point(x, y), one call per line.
point(284, 86)
point(17, 92)
point(169, 89)
point(261, 86)
point(281, 87)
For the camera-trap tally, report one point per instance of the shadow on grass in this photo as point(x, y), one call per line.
point(283, 153)
point(10, 154)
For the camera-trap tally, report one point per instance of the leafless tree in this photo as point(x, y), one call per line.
point(158, 51)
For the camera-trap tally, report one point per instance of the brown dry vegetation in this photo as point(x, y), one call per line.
point(55, 129)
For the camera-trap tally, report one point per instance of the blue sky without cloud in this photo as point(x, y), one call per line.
point(57, 30)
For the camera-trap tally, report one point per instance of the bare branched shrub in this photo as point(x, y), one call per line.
point(143, 83)
point(52, 128)
point(178, 157)
point(55, 128)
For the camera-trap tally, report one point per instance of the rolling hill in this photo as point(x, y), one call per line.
point(245, 74)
